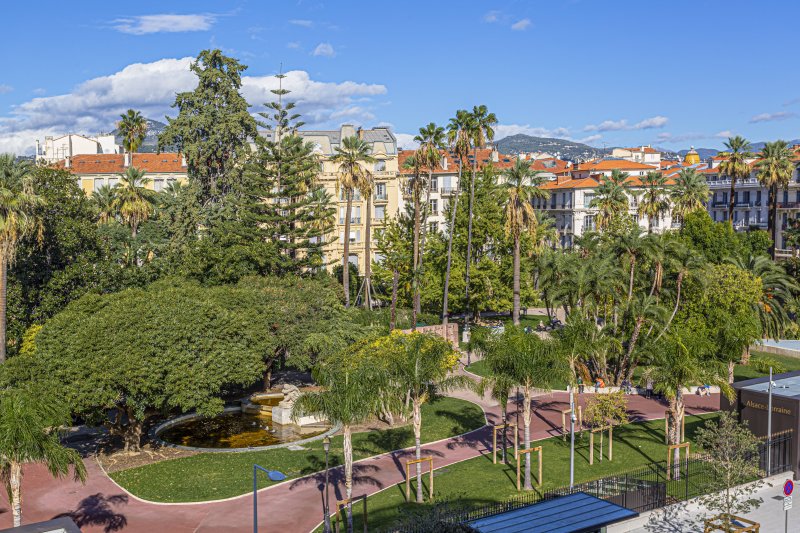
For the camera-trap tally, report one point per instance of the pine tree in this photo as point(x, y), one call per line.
point(213, 128)
point(287, 204)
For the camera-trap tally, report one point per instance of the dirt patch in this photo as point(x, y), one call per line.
point(116, 461)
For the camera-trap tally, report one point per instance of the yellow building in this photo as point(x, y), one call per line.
point(95, 170)
point(386, 198)
point(691, 157)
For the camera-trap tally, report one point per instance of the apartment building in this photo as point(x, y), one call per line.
point(639, 154)
point(751, 198)
point(58, 148)
point(94, 171)
point(386, 197)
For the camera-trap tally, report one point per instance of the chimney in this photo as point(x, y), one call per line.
point(183, 161)
point(126, 159)
point(67, 162)
point(360, 133)
point(444, 162)
point(495, 155)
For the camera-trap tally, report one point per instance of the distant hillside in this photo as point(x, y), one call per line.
point(704, 153)
point(563, 149)
point(154, 129)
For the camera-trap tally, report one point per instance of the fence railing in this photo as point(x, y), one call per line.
point(643, 489)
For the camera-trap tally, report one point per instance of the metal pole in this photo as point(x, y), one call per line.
point(327, 497)
point(571, 437)
point(769, 425)
point(255, 499)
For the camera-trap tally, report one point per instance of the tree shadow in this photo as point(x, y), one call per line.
point(362, 475)
point(98, 510)
point(474, 439)
point(386, 441)
point(465, 418)
point(673, 519)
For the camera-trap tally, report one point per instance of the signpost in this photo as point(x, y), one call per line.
point(788, 488)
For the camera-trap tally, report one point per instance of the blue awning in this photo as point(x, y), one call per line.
point(575, 513)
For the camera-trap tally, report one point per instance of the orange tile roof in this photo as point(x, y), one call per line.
point(584, 183)
point(612, 164)
point(115, 163)
point(645, 149)
point(484, 158)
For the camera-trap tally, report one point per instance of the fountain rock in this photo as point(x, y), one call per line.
point(282, 413)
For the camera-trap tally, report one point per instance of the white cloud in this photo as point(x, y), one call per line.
point(724, 134)
point(324, 49)
point(665, 137)
point(521, 25)
point(491, 16)
point(95, 105)
point(405, 141)
point(770, 117)
point(617, 125)
point(791, 102)
point(39, 91)
point(506, 130)
point(167, 23)
point(301, 22)
point(5, 88)
point(590, 139)
point(294, 45)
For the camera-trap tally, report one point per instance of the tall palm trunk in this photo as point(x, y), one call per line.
point(415, 260)
point(3, 303)
point(346, 258)
point(367, 255)
point(393, 312)
point(469, 238)
point(630, 283)
point(515, 310)
point(348, 472)
point(772, 218)
point(677, 407)
point(526, 420)
point(418, 445)
point(677, 303)
point(423, 234)
point(732, 203)
point(445, 312)
point(15, 489)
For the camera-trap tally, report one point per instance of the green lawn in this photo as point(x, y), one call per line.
point(477, 481)
point(742, 372)
point(211, 476)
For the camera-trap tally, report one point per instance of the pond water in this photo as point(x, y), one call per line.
point(235, 430)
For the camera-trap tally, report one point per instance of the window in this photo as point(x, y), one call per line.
point(99, 182)
point(380, 212)
point(355, 214)
point(588, 223)
point(356, 195)
point(758, 197)
point(380, 165)
point(353, 260)
point(434, 184)
point(587, 199)
point(355, 236)
point(434, 207)
point(434, 227)
point(158, 184)
point(113, 182)
point(380, 191)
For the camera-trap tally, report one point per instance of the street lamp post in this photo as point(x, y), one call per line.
point(326, 445)
point(769, 425)
point(571, 437)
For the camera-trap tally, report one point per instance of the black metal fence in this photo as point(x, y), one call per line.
point(643, 489)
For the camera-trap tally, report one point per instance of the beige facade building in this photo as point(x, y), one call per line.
point(94, 171)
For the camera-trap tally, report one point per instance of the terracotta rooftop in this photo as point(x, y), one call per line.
point(115, 163)
point(484, 158)
point(612, 164)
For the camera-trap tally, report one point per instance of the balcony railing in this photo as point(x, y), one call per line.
point(381, 197)
point(789, 205)
point(448, 190)
point(353, 220)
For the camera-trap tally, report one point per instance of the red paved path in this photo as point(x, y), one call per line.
point(293, 506)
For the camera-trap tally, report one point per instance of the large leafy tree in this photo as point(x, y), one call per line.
point(350, 157)
point(774, 171)
point(30, 432)
point(19, 217)
point(735, 166)
point(521, 189)
point(654, 201)
point(689, 193)
point(132, 127)
point(213, 128)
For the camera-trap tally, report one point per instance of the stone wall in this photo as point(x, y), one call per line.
point(448, 332)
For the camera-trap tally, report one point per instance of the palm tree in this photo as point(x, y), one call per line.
point(431, 141)
point(632, 246)
point(534, 364)
point(29, 434)
point(654, 203)
point(459, 140)
point(735, 166)
point(420, 368)
point(349, 156)
point(132, 127)
point(19, 217)
point(678, 362)
point(774, 171)
point(104, 200)
point(690, 193)
point(522, 189)
point(415, 187)
point(321, 212)
point(366, 186)
point(350, 396)
point(481, 131)
point(392, 246)
point(611, 200)
point(134, 201)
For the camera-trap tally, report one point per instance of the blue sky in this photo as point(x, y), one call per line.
point(671, 74)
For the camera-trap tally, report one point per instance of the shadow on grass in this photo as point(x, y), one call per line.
point(467, 418)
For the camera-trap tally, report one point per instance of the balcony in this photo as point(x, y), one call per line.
point(448, 190)
point(353, 220)
point(382, 197)
point(789, 205)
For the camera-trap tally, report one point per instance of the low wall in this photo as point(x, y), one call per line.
point(774, 350)
point(448, 332)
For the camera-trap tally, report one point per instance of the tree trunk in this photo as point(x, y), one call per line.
point(346, 259)
point(445, 311)
point(526, 421)
point(773, 218)
point(676, 406)
point(348, 472)
point(516, 305)
point(732, 203)
point(132, 435)
point(367, 255)
point(731, 366)
point(3, 305)
point(504, 415)
point(423, 234)
point(415, 261)
point(15, 490)
point(630, 283)
point(418, 445)
point(393, 313)
point(623, 367)
point(469, 235)
point(746, 355)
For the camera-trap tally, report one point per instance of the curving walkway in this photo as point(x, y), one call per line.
point(293, 506)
